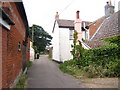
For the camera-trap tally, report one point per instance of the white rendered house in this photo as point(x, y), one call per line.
point(62, 39)
point(63, 32)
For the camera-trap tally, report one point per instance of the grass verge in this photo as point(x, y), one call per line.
point(71, 68)
point(88, 79)
point(22, 80)
point(50, 58)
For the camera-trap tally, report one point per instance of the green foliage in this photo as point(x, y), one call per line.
point(83, 40)
point(69, 67)
point(35, 48)
point(98, 62)
point(29, 64)
point(75, 37)
point(21, 82)
point(77, 51)
point(113, 40)
point(41, 38)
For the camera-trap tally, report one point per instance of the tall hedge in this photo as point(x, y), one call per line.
point(107, 57)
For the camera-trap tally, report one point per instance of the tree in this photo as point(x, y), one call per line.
point(41, 38)
point(78, 50)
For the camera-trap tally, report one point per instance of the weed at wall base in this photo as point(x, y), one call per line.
point(21, 82)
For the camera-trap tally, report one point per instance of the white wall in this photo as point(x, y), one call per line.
point(83, 35)
point(32, 52)
point(118, 5)
point(65, 45)
point(56, 42)
point(61, 44)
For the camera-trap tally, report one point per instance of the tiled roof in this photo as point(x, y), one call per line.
point(95, 25)
point(108, 28)
point(86, 23)
point(65, 23)
point(97, 20)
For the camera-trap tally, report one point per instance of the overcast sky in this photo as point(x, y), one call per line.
point(42, 12)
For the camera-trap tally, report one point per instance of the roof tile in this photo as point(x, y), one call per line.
point(108, 29)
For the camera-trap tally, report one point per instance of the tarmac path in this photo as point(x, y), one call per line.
point(46, 74)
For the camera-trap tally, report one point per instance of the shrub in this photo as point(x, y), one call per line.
point(69, 67)
point(98, 62)
point(29, 64)
point(21, 82)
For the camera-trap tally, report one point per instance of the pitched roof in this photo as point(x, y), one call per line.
point(95, 26)
point(65, 23)
point(21, 9)
point(62, 23)
point(86, 23)
point(103, 17)
point(108, 28)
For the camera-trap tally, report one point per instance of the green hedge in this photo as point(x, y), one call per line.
point(107, 57)
point(98, 62)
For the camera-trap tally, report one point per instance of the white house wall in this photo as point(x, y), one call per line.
point(56, 42)
point(32, 52)
point(65, 45)
point(83, 35)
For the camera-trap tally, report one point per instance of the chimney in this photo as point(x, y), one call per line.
point(118, 5)
point(77, 25)
point(107, 4)
point(56, 16)
point(109, 9)
point(110, 3)
point(77, 15)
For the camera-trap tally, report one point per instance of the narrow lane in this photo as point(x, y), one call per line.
point(46, 74)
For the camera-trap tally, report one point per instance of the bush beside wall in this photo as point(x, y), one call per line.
point(99, 62)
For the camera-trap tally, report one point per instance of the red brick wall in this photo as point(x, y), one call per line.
point(16, 17)
point(14, 63)
point(94, 26)
point(28, 49)
point(0, 57)
point(4, 57)
point(11, 57)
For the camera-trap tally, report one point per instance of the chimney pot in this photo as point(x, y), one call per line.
point(107, 3)
point(77, 15)
point(57, 16)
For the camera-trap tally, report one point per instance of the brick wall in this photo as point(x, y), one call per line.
point(94, 26)
point(11, 57)
point(28, 49)
point(0, 57)
point(4, 57)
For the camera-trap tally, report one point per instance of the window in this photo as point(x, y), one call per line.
point(19, 46)
point(71, 37)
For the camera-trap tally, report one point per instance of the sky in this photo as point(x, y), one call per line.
point(42, 12)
